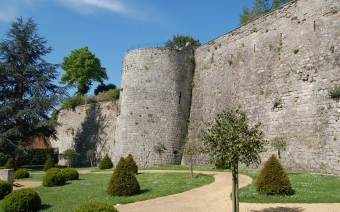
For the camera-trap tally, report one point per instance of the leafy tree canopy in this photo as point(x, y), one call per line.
point(82, 68)
point(179, 41)
point(259, 8)
point(230, 140)
point(27, 94)
point(103, 87)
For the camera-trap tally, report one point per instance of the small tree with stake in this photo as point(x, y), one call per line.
point(230, 140)
point(69, 155)
point(159, 149)
point(279, 144)
point(91, 154)
point(189, 149)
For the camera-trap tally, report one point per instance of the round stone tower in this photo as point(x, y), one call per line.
point(155, 105)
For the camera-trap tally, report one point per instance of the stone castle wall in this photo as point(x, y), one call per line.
point(155, 101)
point(87, 127)
point(292, 55)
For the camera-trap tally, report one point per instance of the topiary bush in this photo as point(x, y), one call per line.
point(24, 199)
point(9, 164)
point(96, 206)
point(70, 174)
point(21, 173)
point(123, 182)
point(5, 188)
point(48, 164)
point(273, 179)
point(106, 163)
point(131, 164)
point(53, 177)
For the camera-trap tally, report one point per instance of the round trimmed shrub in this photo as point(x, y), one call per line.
point(70, 174)
point(123, 182)
point(24, 199)
point(53, 177)
point(273, 179)
point(9, 164)
point(96, 206)
point(106, 163)
point(5, 188)
point(48, 164)
point(131, 164)
point(21, 173)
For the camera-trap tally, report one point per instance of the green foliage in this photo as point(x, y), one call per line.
point(159, 148)
point(48, 164)
point(111, 94)
point(70, 174)
point(123, 182)
point(53, 177)
point(96, 207)
point(82, 68)
point(103, 88)
point(179, 41)
point(273, 179)
point(5, 188)
point(296, 51)
point(230, 140)
point(22, 200)
point(3, 157)
point(26, 87)
point(9, 164)
point(334, 92)
point(106, 163)
point(131, 164)
point(21, 173)
point(74, 101)
point(279, 144)
point(91, 154)
point(259, 8)
point(39, 156)
point(69, 155)
point(276, 102)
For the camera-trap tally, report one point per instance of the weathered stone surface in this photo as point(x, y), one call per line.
point(286, 55)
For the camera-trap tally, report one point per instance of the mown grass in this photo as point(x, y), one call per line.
point(308, 188)
point(93, 187)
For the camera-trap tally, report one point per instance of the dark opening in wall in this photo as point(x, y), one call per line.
point(314, 26)
point(180, 95)
point(176, 152)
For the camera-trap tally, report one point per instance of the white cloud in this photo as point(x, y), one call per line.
point(90, 5)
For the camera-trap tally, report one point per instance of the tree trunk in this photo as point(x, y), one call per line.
point(191, 171)
point(235, 200)
point(278, 153)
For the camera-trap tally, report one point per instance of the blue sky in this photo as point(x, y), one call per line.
point(110, 27)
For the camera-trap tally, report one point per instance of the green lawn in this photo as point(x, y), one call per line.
point(93, 187)
point(308, 188)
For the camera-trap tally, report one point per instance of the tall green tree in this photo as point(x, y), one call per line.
point(27, 93)
point(82, 68)
point(259, 8)
point(231, 140)
point(179, 41)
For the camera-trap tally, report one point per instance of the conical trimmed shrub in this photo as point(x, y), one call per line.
point(9, 164)
point(131, 164)
point(123, 182)
point(106, 163)
point(48, 164)
point(273, 179)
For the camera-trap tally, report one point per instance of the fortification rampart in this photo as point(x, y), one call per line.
point(155, 101)
point(291, 55)
point(87, 127)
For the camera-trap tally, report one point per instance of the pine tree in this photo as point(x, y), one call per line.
point(131, 164)
point(273, 179)
point(27, 92)
point(123, 182)
point(106, 163)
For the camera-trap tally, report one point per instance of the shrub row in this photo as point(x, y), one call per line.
point(57, 177)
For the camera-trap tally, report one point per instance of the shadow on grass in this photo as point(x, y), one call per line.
point(280, 209)
point(143, 191)
point(45, 206)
